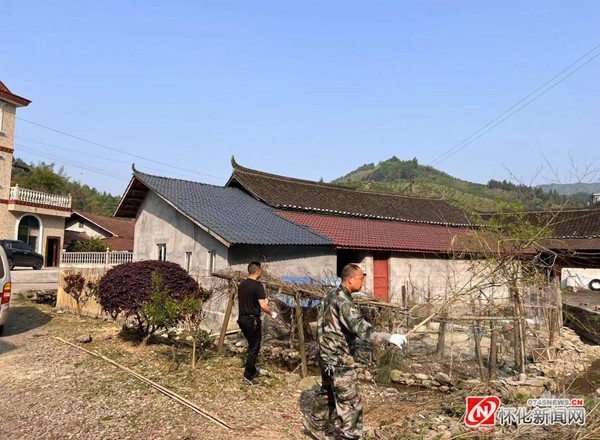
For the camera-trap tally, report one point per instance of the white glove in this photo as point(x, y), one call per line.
point(273, 315)
point(398, 339)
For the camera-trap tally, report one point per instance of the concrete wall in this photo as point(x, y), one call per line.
point(158, 223)
point(431, 278)
point(315, 261)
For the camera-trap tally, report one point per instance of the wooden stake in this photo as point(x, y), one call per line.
point(300, 325)
point(492, 361)
point(232, 292)
point(478, 355)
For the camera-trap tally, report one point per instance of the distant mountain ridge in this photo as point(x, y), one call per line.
point(411, 178)
point(571, 188)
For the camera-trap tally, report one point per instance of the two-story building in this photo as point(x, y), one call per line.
point(35, 217)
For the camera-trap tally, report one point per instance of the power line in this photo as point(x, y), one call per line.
point(49, 156)
point(87, 154)
point(467, 141)
point(114, 149)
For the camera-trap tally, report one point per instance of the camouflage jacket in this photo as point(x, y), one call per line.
point(338, 325)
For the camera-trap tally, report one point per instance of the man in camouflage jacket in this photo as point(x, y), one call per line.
point(339, 324)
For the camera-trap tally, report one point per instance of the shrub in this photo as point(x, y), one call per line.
point(126, 287)
point(78, 289)
point(92, 244)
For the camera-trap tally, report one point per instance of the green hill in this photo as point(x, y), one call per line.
point(410, 178)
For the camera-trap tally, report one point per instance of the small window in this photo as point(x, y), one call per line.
point(212, 261)
point(188, 261)
point(162, 251)
point(80, 225)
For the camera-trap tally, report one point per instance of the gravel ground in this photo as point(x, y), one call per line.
point(51, 390)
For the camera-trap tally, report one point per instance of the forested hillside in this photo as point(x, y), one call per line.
point(411, 178)
point(43, 177)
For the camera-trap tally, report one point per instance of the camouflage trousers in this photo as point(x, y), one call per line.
point(338, 403)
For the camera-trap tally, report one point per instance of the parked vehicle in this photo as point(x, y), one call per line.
point(21, 254)
point(6, 288)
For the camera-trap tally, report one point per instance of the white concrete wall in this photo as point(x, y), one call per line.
point(578, 278)
point(438, 279)
point(158, 222)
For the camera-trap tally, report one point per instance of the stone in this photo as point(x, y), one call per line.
point(84, 339)
point(410, 381)
point(426, 383)
point(444, 389)
point(396, 375)
point(442, 378)
point(421, 376)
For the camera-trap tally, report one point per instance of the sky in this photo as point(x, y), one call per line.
point(305, 89)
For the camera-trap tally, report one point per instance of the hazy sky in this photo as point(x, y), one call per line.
point(304, 89)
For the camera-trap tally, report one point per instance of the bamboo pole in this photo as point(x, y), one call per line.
point(160, 388)
point(232, 292)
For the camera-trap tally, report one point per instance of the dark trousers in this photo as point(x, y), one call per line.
point(251, 328)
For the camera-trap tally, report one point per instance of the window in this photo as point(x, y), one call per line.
point(80, 225)
point(1, 115)
point(188, 261)
point(162, 251)
point(212, 261)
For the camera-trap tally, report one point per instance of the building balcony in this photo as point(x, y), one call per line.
point(29, 200)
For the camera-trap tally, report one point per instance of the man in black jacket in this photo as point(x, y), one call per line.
point(252, 299)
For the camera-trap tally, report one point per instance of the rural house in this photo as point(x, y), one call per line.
point(35, 217)
point(117, 233)
point(297, 227)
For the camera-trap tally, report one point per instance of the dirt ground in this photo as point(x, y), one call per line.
point(51, 390)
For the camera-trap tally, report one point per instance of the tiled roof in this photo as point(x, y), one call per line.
point(71, 236)
point(7, 95)
point(304, 195)
point(119, 243)
point(360, 233)
point(565, 223)
point(230, 213)
point(573, 223)
point(120, 227)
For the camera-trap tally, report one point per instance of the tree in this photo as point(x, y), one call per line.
point(92, 244)
point(80, 289)
point(125, 288)
point(191, 314)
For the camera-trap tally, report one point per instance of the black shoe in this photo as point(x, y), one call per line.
point(247, 381)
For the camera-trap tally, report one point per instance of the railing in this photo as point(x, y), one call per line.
point(96, 258)
point(32, 196)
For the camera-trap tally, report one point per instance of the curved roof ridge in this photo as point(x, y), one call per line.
point(236, 166)
point(137, 172)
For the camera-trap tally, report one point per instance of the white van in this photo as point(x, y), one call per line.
point(6, 288)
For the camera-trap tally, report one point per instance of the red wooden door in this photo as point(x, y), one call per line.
point(381, 276)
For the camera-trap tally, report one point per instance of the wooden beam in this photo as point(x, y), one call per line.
point(232, 292)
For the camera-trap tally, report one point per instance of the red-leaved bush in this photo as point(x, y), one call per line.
point(126, 286)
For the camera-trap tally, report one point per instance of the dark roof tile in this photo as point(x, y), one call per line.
point(304, 195)
point(232, 214)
